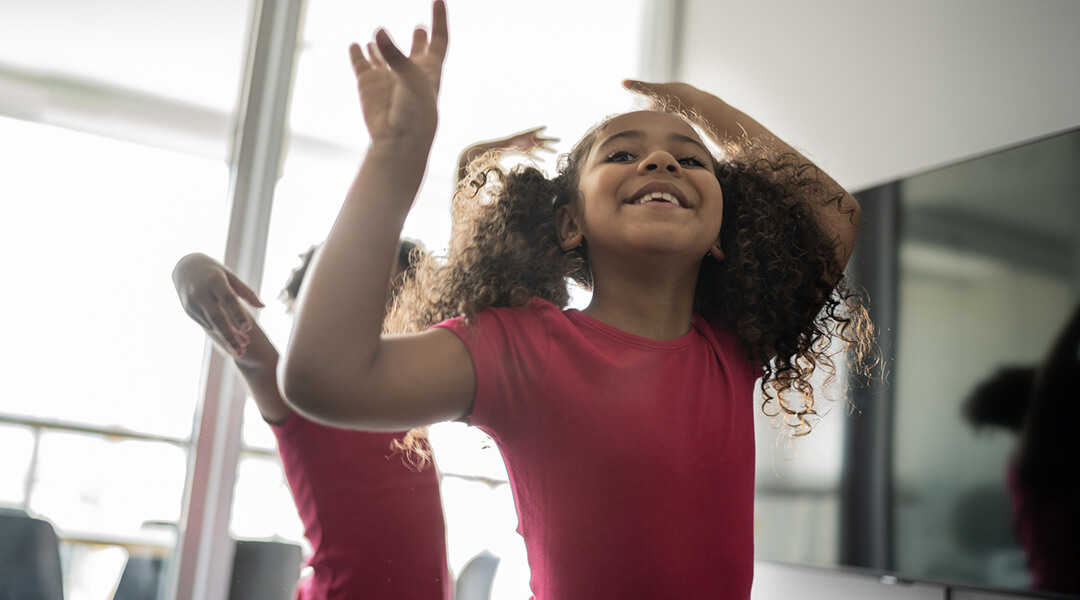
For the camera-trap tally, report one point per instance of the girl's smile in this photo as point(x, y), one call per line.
point(648, 185)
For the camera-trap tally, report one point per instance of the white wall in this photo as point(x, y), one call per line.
point(877, 90)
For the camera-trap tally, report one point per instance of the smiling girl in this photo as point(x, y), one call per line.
point(627, 427)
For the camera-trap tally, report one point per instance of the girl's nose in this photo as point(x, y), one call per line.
point(658, 161)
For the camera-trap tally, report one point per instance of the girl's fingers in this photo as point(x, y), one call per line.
point(376, 58)
point(388, 51)
point(439, 33)
point(356, 57)
point(237, 317)
point(654, 90)
point(244, 291)
point(234, 350)
point(223, 329)
point(419, 42)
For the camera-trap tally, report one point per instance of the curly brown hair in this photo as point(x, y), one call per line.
point(780, 287)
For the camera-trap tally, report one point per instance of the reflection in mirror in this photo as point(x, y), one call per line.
point(989, 277)
point(969, 483)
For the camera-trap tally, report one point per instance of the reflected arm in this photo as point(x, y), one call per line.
point(211, 295)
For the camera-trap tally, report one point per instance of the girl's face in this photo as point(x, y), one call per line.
point(647, 186)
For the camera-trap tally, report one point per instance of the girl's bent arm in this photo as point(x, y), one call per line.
point(338, 369)
point(839, 219)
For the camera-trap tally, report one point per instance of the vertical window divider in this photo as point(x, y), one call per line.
point(660, 53)
point(202, 567)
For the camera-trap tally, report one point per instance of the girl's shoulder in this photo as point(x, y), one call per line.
point(534, 307)
point(535, 313)
point(729, 346)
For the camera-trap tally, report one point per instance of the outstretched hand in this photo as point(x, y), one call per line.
point(682, 96)
point(398, 92)
point(525, 142)
point(210, 294)
point(719, 117)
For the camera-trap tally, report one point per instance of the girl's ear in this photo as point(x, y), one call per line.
point(715, 251)
point(570, 235)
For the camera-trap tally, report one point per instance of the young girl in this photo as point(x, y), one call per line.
point(375, 525)
point(626, 427)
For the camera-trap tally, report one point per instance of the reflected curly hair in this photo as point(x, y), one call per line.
point(772, 288)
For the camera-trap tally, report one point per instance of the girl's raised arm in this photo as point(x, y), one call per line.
point(338, 369)
point(840, 219)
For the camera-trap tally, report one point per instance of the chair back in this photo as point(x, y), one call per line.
point(29, 559)
point(474, 581)
point(142, 579)
point(265, 570)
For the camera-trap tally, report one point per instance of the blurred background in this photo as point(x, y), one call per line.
point(134, 132)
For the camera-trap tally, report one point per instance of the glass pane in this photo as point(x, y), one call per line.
point(113, 487)
point(463, 450)
point(256, 433)
point(93, 571)
point(797, 495)
point(990, 274)
point(480, 517)
point(262, 506)
point(102, 223)
point(17, 450)
point(116, 120)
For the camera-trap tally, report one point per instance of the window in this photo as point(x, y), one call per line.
point(116, 127)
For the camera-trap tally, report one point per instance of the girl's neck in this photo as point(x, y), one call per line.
point(652, 303)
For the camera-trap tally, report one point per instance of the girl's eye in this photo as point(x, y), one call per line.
point(620, 156)
point(691, 161)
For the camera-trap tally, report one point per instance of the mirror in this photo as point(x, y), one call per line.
point(986, 277)
point(989, 277)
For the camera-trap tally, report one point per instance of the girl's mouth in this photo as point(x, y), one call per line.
point(657, 197)
point(661, 192)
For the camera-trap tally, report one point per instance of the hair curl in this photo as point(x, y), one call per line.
point(779, 287)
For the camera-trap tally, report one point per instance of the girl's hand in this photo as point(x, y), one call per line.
point(683, 95)
point(210, 294)
point(398, 93)
point(525, 142)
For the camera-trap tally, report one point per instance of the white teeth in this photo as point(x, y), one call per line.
point(666, 197)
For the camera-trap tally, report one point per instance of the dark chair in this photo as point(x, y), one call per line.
point(142, 579)
point(474, 581)
point(264, 570)
point(29, 559)
point(146, 573)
